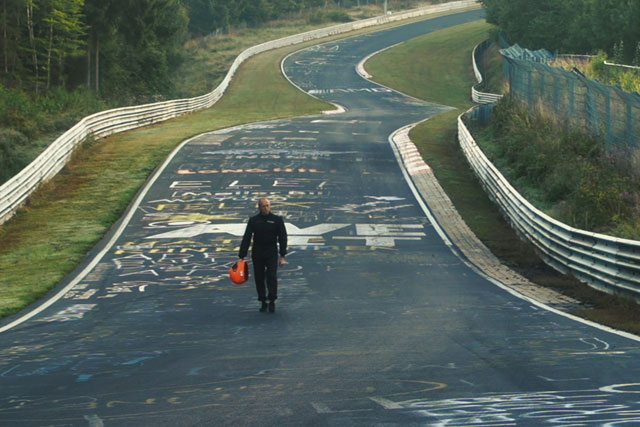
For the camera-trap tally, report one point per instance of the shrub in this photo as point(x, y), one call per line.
point(12, 157)
point(56, 111)
point(338, 16)
point(627, 79)
point(321, 16)
point(570, 175)
point(17, 111)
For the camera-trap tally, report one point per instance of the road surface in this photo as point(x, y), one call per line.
point(379, 321)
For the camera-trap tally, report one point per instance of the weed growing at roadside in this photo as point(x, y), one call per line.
point(568, 174)
point(627, 79)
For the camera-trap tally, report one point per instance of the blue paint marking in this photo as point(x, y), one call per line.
point(194, 371)
point(138, 360)
point(6, 372)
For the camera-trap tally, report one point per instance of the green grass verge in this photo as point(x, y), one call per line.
point(437, 68)
point(440, 74)
point(66, 217)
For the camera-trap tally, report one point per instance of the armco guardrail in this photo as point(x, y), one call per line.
point(607, 263)
point(14, 192)
point(476, 95)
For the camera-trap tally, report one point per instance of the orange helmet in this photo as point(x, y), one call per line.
point(239, 272)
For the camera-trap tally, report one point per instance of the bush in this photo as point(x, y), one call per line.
point(23, 120)
point(570, 175)
point(627, 79)
point(17, 111)
point(12, 157)
point(56, 111)
point(321, 16)
point(338, 16)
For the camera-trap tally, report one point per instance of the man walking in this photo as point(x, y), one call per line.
point(268, 232)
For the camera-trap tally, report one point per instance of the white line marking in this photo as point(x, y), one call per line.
point(321, 408)
point(339, 109)
point(606, 344)
point(385, 403)
point(125, 222)
point(360, 67)
point(605, 353)
point(94, 421)
point(552, 380)
point(614, 388)
point(9, 370)
point(479, 271)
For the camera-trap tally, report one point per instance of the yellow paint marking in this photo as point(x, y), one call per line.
point(304, 205)
point(113, 403)
point(343, 353)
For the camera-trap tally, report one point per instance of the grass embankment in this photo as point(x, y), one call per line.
point(437, 68)
point(64, 219)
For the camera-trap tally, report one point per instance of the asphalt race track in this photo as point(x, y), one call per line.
point(378, 323)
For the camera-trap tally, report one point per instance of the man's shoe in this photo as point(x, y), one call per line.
point(272, 307)
point(264, 307)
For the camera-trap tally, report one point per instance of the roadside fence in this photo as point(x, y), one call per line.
point(607, 263)
point(572, 98)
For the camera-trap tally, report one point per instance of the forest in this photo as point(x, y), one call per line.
point(115, 47)
point(571, 26)
point(61, 60)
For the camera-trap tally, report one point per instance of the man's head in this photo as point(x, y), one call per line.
point(264, 206)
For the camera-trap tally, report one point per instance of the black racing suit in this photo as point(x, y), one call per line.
point(268, 233)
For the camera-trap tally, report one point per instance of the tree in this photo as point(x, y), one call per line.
point(11, 21)
point(136, 45)
point(201, 16)
point(101, 18)
point(580, 26)
point(142, 46)
point(255, 12)
point(66, 30)
point(38, 36)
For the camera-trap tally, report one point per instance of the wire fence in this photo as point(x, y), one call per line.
point(573, 99)
point(606, 263)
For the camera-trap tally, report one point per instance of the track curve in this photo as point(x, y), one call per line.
point(378, 321)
